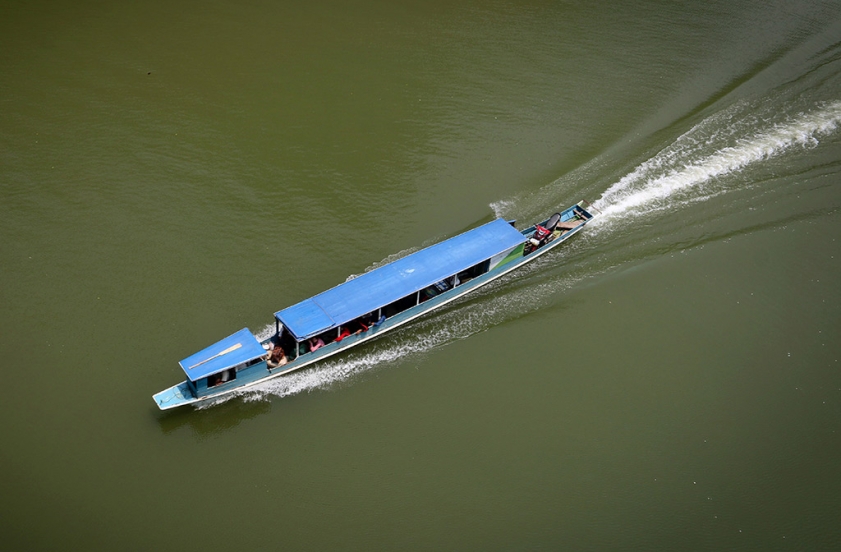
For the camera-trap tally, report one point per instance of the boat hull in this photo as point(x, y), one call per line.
point(180, 395)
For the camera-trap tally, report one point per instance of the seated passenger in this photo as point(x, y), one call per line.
point(369, 320)
point(277, 358)
point(358, 326)
point(220, 378)
point(343, 334)
point(316, 343)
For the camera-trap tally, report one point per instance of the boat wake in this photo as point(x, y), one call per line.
point(696, 167)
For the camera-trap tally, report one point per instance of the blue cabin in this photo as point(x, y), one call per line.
point(227, 364)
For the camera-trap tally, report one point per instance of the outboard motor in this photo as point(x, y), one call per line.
point(553, 222)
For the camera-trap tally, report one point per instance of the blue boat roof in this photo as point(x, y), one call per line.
point(231, 351)
point(388, 283)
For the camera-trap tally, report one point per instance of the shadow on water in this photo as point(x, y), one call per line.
point(209, 421)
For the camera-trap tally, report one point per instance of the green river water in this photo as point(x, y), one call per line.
point(171, 172)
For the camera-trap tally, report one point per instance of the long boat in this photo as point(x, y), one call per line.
point(368, 306)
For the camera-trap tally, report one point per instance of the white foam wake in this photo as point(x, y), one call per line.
point(691, 169)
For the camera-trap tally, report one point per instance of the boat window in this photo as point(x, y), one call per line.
point(401, 305)
point(317, 341)
point(222, 377)
point(329, 336)
point(289, 345)
point(437, 289)
point(356, 326)
point(473, 272)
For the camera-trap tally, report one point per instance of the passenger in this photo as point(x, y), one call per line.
point(379, 322)
point(316, 343)
point(343, 334)
point(357, 326)
point(277, 358)
point(369, 320)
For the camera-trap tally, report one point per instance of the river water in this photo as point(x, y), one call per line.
point(668, 380)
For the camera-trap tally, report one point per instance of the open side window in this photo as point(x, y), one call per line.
point(437, 288)
point(288, 344)
point(325, 338)
point(401, 305)
point(222, 377)
point(473, 272)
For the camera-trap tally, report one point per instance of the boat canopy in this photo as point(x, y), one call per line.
point(222, 355)
point(388, 283)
